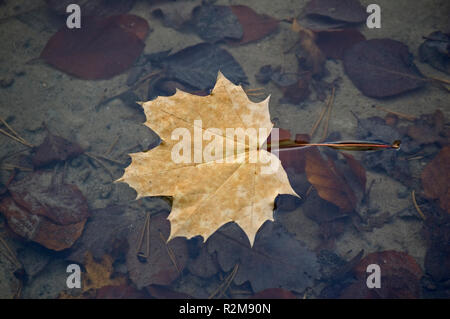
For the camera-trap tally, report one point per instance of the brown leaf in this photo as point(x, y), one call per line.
point(62, 204)
point(315, 59)
point(357, 169)
point(159, 268)
point(54, 149)
point(386, 62)
point(436, 177)
point(38, 228)
point(207, 196)
point(98, 274)
point(102, 48)
point(255, 26)
point(328, 182)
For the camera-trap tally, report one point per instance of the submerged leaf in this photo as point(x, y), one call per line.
point(382, 68)
point(436, 179)
point(54, 149)
point(40, 229)
point(198, 65)
point(277, 259)
point(255, 26)
point(101, 49)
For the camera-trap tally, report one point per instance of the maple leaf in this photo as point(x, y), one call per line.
point(212, 192)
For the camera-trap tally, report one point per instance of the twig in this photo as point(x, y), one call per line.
point(317, 123)
point(12, 130)
point(110, 148)
point(99, 156)
point(145, 229)
point(225, 284)
point(11, 167)
point(131, 89)
point(413, 196)
point(99, 162)
point(16, 138)
point(170, 253)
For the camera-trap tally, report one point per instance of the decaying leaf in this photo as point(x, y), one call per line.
point(102, 48)
point(214, 23)
point(197, 66)
point(54, 149)
point(40, 229)
point(98, 274)
point(277, 259)
point(255, 26)
point(208, 194)
point(315, 59)
point(387, 63)
point(328, 181)
point(51, 215)
point(436, 178)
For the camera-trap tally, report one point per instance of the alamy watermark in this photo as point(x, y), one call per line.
point(74, 19)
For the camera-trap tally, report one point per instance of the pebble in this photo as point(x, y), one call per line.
point(6, 82)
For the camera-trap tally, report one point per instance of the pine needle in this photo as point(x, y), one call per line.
point(413, 196)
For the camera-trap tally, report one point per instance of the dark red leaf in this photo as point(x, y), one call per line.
point(63, 203)
point(38, 228)
point(102, 48)
point(255, 26)
point(382, 68)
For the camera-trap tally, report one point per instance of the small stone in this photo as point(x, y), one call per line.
point(6, 82)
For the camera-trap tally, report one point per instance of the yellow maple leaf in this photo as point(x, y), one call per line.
point(210, 186)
